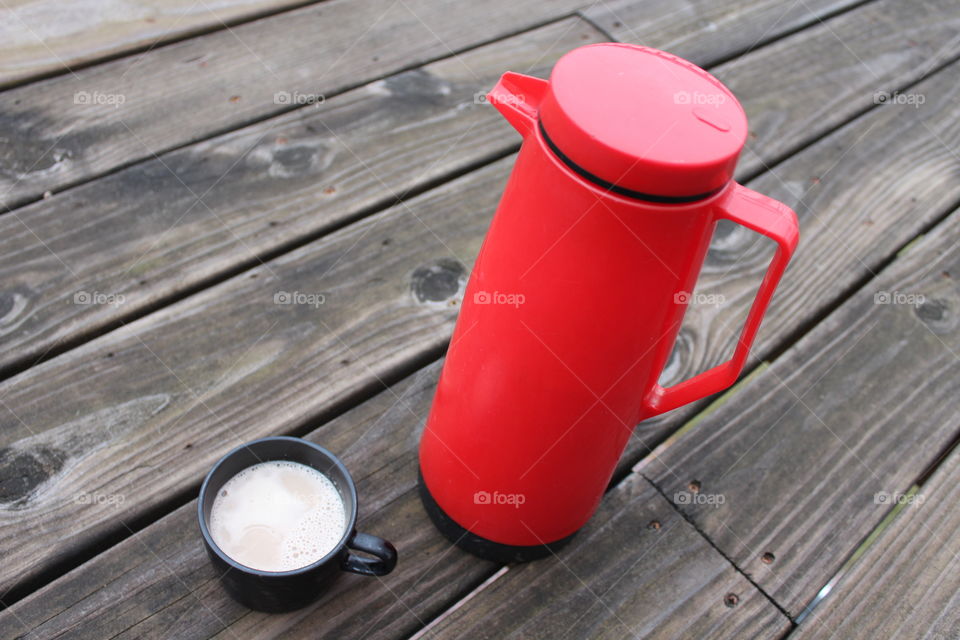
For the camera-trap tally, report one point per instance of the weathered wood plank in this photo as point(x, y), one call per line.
point(227, 387)
point(846, 232)
point(907, 584)
point(227, 79)
point(723, 29)
point(856, 55)
point(853, 204)
point(75, 605)
point(191, 90)
point(621, 577)
point(859, 407)
point(161, 618)
point(99, 253)
point(39, 37)
point(291, 339)
point(286, 167)
point(822, 76)
point(159, 583)
point(813, 68)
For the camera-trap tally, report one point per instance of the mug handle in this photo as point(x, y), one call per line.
point(778, 222)
point(383, 562)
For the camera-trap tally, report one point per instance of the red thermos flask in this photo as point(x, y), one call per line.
point(579, 290)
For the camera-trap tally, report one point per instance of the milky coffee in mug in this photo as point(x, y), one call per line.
point(278, 518)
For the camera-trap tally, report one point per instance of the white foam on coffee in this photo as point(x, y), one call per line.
point(277, 516)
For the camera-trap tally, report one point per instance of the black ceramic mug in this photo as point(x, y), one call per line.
point(276, 591)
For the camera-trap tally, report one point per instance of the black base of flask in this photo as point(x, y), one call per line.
point(480, 546)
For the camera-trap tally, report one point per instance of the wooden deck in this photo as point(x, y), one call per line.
point(166, 172)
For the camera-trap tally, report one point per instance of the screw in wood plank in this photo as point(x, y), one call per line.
point(768, 558)
point(731, 600)
point(694, 486)
point(654, 524)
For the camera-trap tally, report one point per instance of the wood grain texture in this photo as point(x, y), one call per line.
point(860, 194)
point(723, 29)
point(824, 75)
point(159, 583)
point(263, 353)
point(388, 281)
point(93, 256)
point(70, 128)
point(228, 79)
point(857, 409)
point(295, 175)
point(39, 37)
point(620, 577)
point(907, 584)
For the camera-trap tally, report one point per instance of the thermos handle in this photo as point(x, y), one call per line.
point(778, 222)
point(517, 97)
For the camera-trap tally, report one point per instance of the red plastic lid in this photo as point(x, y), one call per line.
point(643, 120)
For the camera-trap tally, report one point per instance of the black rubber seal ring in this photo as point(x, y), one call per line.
point(477, 545)
point(609, 186)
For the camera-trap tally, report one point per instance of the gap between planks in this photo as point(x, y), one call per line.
point(580, 13)
point(890, 521)
point(668, 440)
point(869, 540)
point(210, 134)
point(83, 336)
point(167, 38)
point(241, 267)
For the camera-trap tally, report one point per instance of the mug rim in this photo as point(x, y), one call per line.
point(332, 554)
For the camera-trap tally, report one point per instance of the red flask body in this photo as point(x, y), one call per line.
point(571, 312)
